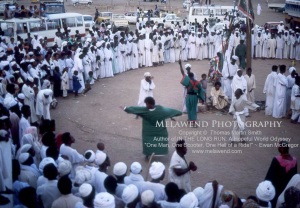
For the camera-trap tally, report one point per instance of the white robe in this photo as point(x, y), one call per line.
point(228, 71)
point(79, 67)
point(272, 47)
point(183, 181)
point(279, 108)
point(146, 90)
point(258, 46)
point(238, 83)
point(29, 100)
point(250, 85)
point(108, 63)
point(122, 57)
point(74, 157)
point(269, 90)
point(279, 45)
point(148, 53)
point(192, 47)
point(142, 55)
point(135, 56)
point(43, 104)
point(295, 103)
point(286, 46)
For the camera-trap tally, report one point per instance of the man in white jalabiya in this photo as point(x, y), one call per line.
point(269, 90)
point(146, 88)
point(43, 101)
point(279, 108)
point(251, 85)
point(179, 170)
point(258, 9)
point(229, 70)
point(239, 82)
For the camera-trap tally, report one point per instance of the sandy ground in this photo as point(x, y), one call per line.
point(97, 117)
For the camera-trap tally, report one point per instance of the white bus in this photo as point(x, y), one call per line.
point(45, 27)
point(213, 11)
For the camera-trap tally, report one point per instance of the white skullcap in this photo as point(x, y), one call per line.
point(85, 189)
point(92, 156)
point(104, 200)
point(100, 157)
point(82, 175)
point(239, 69)
point(147, 74)
point(23, 157)
point(64, 43)
point(187, 66)
point(12, 63)
point(224, 206)
point(265, 191)
point(30, 53)
point(281, 21)
point(198, 192)
point(291, 69)
point(64, 167)
point(46, 161)
point(47, 92)
point(108, 26)
point(189, 201)
point(156, 170)
point(21, 96)
point(147, 197)
point(30, 79)
point(136, 168)
point(25, 148)
point(193, 32)
point(120, 169)
point(130, 193)
point(235, 57)
point(35, 34)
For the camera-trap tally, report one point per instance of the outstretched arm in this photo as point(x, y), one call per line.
point(181, 69)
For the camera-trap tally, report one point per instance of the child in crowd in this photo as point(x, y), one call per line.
point(76, 83)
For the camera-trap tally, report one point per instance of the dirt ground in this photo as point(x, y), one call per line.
point(97, 117)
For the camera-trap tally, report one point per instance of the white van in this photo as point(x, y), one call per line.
point(212, 11)
point(88, 21)
point(45, 27)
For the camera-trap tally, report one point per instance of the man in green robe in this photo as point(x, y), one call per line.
point(154, 131)
point(240, 52)
point(194, 92)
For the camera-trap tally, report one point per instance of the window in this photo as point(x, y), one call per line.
point(22, 28)
point(7, 28)
point(69, 22)
point(206, 11)
point(53, 24)
point(36, 26)
point(80, 22)
point(87, 18)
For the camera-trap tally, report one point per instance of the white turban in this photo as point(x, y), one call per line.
point(189, 201)
point(47, 92)
point(64, 43)
point(187, 66)
point(130, 193)
point(85, 189)
point(147, 74)
point(25, 148)
point(198, 192)
point(64, 167)
point(23, 157)
point(82, 175)
point(21, 96)
point(104, 200)
point(120, 169)
point(291, 69)
point(147, 197)
point(265, 191)
point(156, 170)
point(92, 156)
point(98, 44)
point(235, 57)
point(100, 157)
point(30, 79)
point(136, 168)
point(46, 161)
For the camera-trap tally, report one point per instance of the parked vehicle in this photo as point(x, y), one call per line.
point(78, 2)
point(104, 17)
point(271, 26)
point(45, 27)
point(119, 21)
point(88, 21)
point(166, 19)
point(131, 17)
